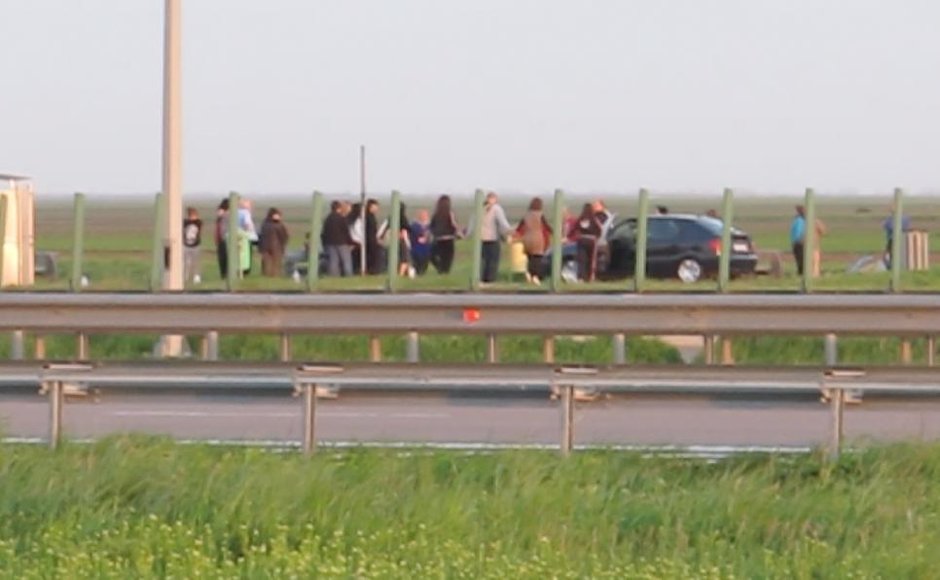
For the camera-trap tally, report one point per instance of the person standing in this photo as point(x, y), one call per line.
point(192, 238)
point(273, 243)
point(337, 242)
point(371, 234)
point(888, 226)
point(586, 232)
point(420, 234)
point(493, 229)
point(221, 235)
point(247, 235)
point(536, 236)
point(444, 231)
point(797, 237)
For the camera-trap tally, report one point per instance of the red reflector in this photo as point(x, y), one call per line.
point(471, 315)
point(715, 246)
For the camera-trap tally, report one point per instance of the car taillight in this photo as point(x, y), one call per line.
point(715, 246)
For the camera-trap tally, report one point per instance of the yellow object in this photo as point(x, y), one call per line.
point(518, 262)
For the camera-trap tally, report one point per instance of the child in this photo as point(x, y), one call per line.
point(192, 238)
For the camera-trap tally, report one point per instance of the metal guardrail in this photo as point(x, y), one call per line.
point(304, 381)
point(735, 314)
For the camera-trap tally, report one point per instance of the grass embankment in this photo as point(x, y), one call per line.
point(131, 507)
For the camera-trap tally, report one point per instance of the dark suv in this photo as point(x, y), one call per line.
point(678, 246)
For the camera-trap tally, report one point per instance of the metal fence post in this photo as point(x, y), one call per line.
point(17, 344)
point(809, 239)
point(394, 242)
point(639, 272)
point(558, 238)
point(82, 346)
point(210, 346)
point(56, 402)
point(40, 348)
point(836, 409)
point(157, 253)
point(897, 235)
point(906, 353)
point(548, 349)
point(727, 353)
point(831, 349)
point(285, 350)
point(309, 419)
point(567, 419)
point(375, 349)
point(492, 349)
point(231, 244)
point(931, 350)
point(78, 241)
point(724, 260)
point(708, 348)
point(476, 246)
point(619, 346)
point(412, 347)
point(313, 244)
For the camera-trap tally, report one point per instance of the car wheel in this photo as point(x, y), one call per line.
point(689, 270)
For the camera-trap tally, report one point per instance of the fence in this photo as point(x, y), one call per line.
point(913, 246)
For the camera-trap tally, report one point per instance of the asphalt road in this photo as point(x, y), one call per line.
point(735, 421)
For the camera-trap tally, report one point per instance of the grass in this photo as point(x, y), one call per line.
point(144, 507)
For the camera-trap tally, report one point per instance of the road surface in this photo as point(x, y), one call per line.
point(796, 421)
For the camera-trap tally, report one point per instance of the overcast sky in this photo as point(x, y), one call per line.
point(518, 95)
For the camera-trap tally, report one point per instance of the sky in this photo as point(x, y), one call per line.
point(448, 95)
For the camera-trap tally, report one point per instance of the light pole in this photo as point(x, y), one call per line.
point(172, 145)
point(172, 345)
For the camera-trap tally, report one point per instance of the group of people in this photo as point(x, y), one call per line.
point(270, 241)
point(427, 240)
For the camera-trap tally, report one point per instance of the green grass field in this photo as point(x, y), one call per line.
point(136, 507)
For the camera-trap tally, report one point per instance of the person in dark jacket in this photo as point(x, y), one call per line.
point(587, 232)
point(337, 242)
point(373, 248)
point(273, 243)
point(444, 230)
point(221, 233)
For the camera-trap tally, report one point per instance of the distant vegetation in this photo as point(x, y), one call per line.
point(138, 507)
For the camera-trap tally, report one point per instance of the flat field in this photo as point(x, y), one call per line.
point(136, 507)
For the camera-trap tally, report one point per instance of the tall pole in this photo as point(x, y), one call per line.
point(362, 208)
point(172, 144)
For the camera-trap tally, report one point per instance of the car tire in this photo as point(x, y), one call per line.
point(689, 270)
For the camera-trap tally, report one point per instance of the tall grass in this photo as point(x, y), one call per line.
point(132, 506)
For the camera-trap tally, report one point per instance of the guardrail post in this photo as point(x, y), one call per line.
point(639, 271)
point(906, 355)
point(234, 272)
point(809, 239)
point(708, 348)
point(931, 350)
point(724, 260)
point(567, 419)
point(56, 402)
point(285, 347)
point(558, 239)
point(309, 418)
point(210, 346)
point(375, 349)
point(727, 354)
point(476, 246)
point(619, 345)
point(412, 347)
point(40, 348)
point(394, 243)
point(897, 234)
point(82, 347)
point(78, 241)
point(831, 350)
point(313, 244)
point(492, 349)
point(837, 408)
point(17, 344)
point(548, 349)
point(157, 251)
